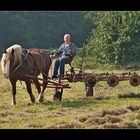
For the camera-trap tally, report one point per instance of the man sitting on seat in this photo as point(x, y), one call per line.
point(65, 54)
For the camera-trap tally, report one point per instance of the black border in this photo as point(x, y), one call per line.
point(69, 5)
point(70, 134)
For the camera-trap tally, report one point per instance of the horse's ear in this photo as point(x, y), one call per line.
point(4, 50)
point(12, 51)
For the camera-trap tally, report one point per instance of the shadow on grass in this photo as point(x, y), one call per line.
point(84, 102)
point(73, 103)
point(129, 95)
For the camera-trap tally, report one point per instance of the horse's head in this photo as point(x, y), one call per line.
point(10, 58)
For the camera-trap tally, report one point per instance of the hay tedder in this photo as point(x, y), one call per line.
point(90, 79)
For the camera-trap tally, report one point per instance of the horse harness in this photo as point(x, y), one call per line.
point(27, 51)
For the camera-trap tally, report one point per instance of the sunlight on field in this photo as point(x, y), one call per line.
point(117, 107)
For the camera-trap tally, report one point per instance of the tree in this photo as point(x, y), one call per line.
point(43, 29)
point(115, 38)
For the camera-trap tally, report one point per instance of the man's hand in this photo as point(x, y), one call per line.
point(69, 51)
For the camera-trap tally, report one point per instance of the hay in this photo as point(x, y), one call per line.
point(129, 124)
point(83, 118)
point(133, 107)
point(129, 95)
point(73, 124)
point(115, 112)
point(110, 125)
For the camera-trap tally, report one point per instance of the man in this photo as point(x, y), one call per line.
point(66, 53)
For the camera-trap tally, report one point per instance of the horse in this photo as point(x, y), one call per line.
point(17, 63)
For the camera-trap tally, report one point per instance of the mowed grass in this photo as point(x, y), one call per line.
point(117, 107)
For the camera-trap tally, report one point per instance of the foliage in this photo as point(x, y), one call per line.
point(45, 29)
point(115, 39)
point(112, 38)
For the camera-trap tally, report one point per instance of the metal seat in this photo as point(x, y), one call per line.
point(69, 62)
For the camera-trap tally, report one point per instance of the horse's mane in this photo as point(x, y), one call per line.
point(17, 53)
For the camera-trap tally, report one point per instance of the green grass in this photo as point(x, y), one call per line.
point(74, 111)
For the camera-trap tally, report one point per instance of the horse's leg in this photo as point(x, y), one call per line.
point(37, 84)
point(13, 83)
point(29, 89)
point(41, 95)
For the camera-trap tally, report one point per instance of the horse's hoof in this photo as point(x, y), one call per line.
point(40, 99)
point(33, 100)
point(13, 103)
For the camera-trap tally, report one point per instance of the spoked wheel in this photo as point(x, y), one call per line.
point(58, 94)
point(135, 80)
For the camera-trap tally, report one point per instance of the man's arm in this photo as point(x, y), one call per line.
point(60, 50)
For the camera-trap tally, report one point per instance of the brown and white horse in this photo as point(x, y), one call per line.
point(17, 63)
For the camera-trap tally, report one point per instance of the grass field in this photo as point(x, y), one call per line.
point(117, 107)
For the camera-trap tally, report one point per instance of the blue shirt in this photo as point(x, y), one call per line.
point(67, 50)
